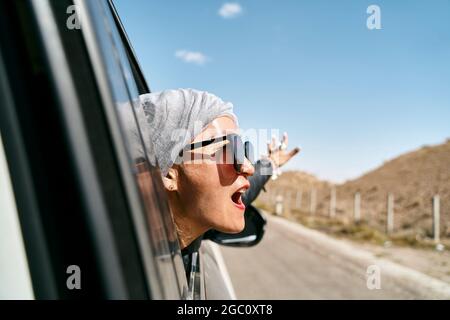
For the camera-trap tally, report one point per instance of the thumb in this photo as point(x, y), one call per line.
point(293, 152)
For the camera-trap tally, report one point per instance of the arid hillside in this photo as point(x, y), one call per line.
point(412, 178)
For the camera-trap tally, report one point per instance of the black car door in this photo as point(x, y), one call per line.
point(86, 193)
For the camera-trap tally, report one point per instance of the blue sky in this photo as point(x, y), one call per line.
point(349, 96)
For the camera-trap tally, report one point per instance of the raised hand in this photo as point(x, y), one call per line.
point(278, 154)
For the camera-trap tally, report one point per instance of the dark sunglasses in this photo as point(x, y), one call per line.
point(234, 150)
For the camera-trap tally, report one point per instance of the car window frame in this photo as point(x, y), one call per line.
point(94, 50)
point(49, 242)
point(143, 88)
point(42, 16)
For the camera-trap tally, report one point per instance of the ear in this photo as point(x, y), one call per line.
point(170, 181)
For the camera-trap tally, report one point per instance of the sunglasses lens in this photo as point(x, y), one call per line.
point(239, 153)
point(239, 150)
point(249, 152)
point(235, 152)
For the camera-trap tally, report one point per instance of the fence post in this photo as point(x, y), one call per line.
point(390, 213)
point(298, 200)
point(288, 202)
point(273, 196)
point(333, 202)
point(436, 219)
point(357, 207)
point(279, 205)
point(312, 206)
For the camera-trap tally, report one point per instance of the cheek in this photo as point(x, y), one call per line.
point(205, 193)
point(200, 188)
point(204, 188)
point(209, 177)
point(200, 177)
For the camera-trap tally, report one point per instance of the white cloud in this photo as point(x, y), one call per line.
point(191, 57)
point(230, 10)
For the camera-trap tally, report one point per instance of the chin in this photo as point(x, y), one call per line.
point(236, 227)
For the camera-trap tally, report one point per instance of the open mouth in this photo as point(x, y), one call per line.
point(237, 198)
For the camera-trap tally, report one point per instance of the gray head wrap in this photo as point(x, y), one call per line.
point(175, 118)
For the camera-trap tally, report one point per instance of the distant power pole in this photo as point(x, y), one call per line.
point(357, 207)
point(390, 213)
point(436, 219)
point(333, 202)
point(312, 205)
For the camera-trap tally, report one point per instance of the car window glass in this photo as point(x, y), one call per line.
point(125, 51)
point(132, 70)
point(126, 101)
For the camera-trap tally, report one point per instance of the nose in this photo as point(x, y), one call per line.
point(247, 168)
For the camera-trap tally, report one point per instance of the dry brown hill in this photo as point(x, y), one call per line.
point(413, 178)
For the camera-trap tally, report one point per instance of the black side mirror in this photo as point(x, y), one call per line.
point(255, 224)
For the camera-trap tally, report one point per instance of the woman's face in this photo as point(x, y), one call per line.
point(209, 191)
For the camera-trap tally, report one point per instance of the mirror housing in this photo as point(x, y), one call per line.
point(255, 225)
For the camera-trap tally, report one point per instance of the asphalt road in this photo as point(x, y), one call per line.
point(293, 262)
